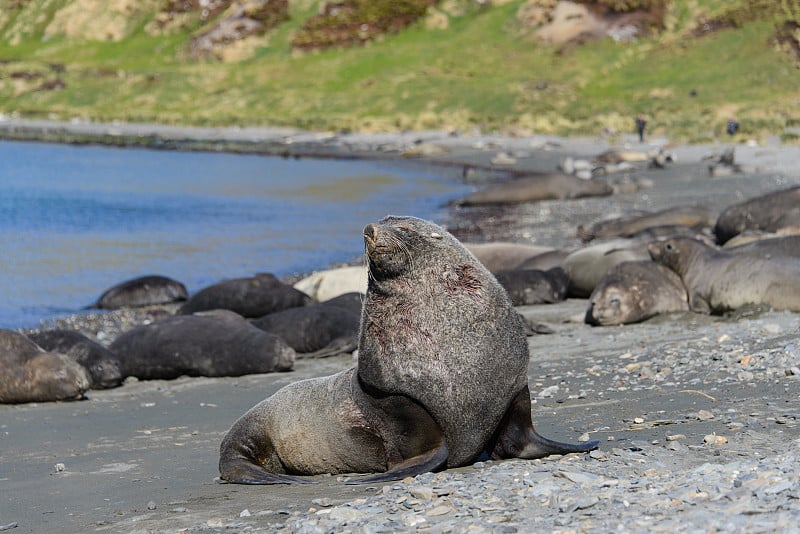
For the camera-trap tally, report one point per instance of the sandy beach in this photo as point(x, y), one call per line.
point(143, 457)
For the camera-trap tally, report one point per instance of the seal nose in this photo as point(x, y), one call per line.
point(371, 232)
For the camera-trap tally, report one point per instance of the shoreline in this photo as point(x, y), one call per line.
point(142, 457)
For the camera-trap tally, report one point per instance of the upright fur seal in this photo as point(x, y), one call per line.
point(633, 291)
point(33, 375)
point(142, 291)
point(442, 376)
point(718, 281)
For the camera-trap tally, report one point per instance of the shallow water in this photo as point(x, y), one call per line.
point(75, 220)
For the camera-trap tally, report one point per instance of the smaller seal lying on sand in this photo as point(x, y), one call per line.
point(633, 291)
point(503, 256)
point(719, 281)
point(787, 246)
point(532, 286)
point(256, 296)
point(33, 375)
point(696, 217)
point(330, 283)
point(442, 377)
point(99, 361)
point(770, 213)
point(538, 187)
point(318, 330)
point(586, 266)
point(212, 344)
point(142, 291)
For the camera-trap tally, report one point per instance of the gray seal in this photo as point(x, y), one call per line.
point(33, 375)
point(538, 187)
point(695, 217)
point(587, 265)
point(533, 286)
point(254, 296)
point(212, 344)
point(442, 377)
point(143, 291)
point(769, 213)
point(633, 291)
point(718, 281)
point(100, 362)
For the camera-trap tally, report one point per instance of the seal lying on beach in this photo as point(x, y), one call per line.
point(142, 291)
point(218, 343)
point(330, 283)
point(100, 362)
point(633, 291)
point(33, 375)
point(718, 281)
point(534, 286)
point(586, 266)
point(442, 377)
point(538, 187)
point(770, 212)
point(696, 217)
point(255, 296)
point(504, 256)
point(317, 330)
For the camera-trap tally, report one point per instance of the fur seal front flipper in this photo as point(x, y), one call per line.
point(516, 437)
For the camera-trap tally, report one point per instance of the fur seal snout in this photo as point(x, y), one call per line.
point(441, 378)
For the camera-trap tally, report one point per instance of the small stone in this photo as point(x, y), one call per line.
point(638, 420)
point(179, 510)
point(245, 513)
point(440, 510)
point(793, 371)
point(151, 505)
point(584, 437)
point(59, 467)
point(325, 502)
point(675, 437)
point(713, 439)
point(422, 492)
point(705, 415)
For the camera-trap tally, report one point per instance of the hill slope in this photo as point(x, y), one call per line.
point(416, 64)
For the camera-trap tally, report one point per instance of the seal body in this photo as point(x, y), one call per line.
point(319, 329)
point(255, 296)
point(504, 256)
point(587, 265)
point(33, 375)
point(696, 217)
point(770, 212)
point(633, 291)
point(538, 187)
point(719, 281)
point(441, 376)
point(142, 291)
point(534, 286)
point(218, 344)
point(100, 362)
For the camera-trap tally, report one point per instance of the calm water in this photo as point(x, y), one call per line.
point(77, 220)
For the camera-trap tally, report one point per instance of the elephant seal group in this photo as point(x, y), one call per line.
point(441, 378)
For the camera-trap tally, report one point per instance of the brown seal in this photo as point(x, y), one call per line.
point(696, 217)
point(442, 376)
point(100, 362)
point(33, 375)
point(633, 291)
point(504, 256)
point(770, 213)
point(587, 265)
point(538, 187)
point(718, 281)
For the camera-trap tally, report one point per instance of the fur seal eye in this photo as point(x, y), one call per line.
point(436, 235)
point(668, 246)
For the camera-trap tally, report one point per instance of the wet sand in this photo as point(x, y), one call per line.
point(142, 457)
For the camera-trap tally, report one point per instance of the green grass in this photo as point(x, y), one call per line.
point(481, 71)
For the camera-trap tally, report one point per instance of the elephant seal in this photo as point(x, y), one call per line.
point(587, 265)
point(718, 281)
point(212, 344)
point(316, 330)
point(696, 217)
point(442, 377)
point(545, 260)
point(534, 286)
point(633, 291)
point(255, 296)
point(781, 246)
point(504, 256)
point(33, 375)
point(538, 187)
point(770, 213)
point(100, 362)
point(142, 291)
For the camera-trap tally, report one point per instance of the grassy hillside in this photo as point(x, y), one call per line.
point(463, 65)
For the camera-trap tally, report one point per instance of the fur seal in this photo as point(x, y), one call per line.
point(718, 281)
point(255, 296)
point(504, 256)
point(316, 330)
point(633, 291)
point(586, 266)
point(100, 362)
point(143, 291)
point(330, 283)
point(33, 375)
point(534, 286)
point(538, 187)
point(212, 344)
point(696, 217)
point(770, 213)
point(442, 376)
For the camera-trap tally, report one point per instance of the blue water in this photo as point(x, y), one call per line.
point(76, 220)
